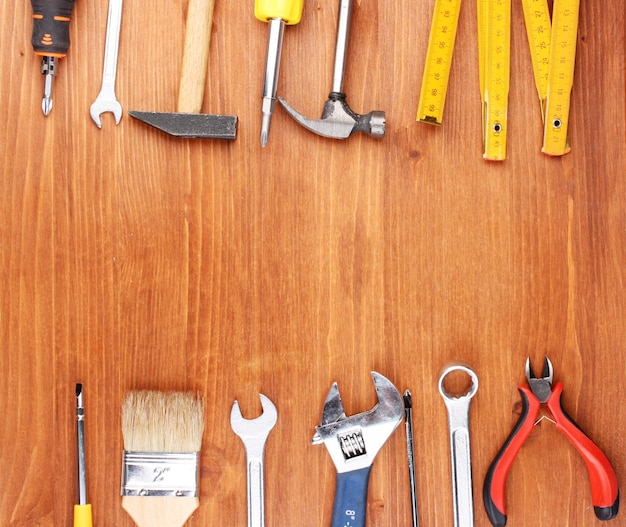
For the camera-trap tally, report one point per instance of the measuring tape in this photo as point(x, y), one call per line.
point(560, 77)
point(438, 61)
point(494, 60)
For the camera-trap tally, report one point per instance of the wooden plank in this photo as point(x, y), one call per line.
point(133, 260)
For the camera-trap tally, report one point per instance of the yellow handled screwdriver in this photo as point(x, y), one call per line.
point(277, 13)
point(82, 511)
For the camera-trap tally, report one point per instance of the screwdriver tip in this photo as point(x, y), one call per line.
point(46, 105)
point(265, 129)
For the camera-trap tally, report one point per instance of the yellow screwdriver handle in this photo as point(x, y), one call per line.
point(82, 516)
point(290, 11)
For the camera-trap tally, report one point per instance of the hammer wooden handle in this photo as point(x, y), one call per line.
point(195, 55)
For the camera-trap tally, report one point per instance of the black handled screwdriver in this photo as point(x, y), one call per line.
point(50, 39)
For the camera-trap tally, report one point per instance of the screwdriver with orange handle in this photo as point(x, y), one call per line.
point(276, 13)
point(82, 511)
point(50, 39)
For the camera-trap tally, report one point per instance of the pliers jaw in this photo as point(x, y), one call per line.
point(540, 386)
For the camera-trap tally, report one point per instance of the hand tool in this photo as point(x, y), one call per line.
point(460, 451)
point(438, 61)
point(494, 44)
point(353, 443)
point(82, 511)
point(540, 391)
point(50, 39)
point(162, 434)
point(277, 13)
point(560, 77)
point(106, 100)
point(187, 122)
point(338, 121)
point(253, 433)
point(408, 421)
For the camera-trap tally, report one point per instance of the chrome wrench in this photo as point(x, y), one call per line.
point(253, 433)
point(353, 443)
point(106, 100)
point(458, 422)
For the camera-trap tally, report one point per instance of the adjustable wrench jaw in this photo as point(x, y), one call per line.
point(353, 442)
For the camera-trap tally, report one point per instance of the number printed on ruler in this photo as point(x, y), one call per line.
point(561, 76)
point(497, 46)
point(438, 61)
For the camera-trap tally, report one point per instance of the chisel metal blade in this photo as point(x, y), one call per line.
point(190, 125)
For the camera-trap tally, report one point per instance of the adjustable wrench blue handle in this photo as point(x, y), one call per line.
point(351, 498)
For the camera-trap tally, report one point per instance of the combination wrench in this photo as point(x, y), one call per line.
point(458, 422)
point(106, 100)
point(253, 433)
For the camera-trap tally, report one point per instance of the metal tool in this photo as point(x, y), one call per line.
point(410, 451)
point(50, 39)
point(338, 121)
point(82, 511)
point(277, 13)
point(458, 422)
point(353, 443)
point(106, 100)
point(253, 433)
point(187, 122)
point(539, 392)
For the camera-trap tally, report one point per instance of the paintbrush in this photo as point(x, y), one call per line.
point(162, 434)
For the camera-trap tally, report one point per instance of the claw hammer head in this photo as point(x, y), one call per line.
point(338, 120)
point(353, 442)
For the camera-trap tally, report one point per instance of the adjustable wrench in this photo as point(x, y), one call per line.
point(253, 433)
point(353, 442)
point(106, 100)
point(458, 422)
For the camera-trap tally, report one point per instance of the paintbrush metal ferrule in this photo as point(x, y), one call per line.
point(160, 474)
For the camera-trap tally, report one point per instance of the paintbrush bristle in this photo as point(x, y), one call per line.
point(154, 421)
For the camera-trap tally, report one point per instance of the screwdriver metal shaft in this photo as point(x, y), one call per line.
point(272, 67)
point(277, 13)
point(82, 511)
point(408, 421)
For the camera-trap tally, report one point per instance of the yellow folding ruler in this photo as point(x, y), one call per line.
point(438, 61)
point(494, 50)
point(494, 59)
point(553, 52)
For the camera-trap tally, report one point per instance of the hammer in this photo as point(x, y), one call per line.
point(338, 120)
point(188, 122)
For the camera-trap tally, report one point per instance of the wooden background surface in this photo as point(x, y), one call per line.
point(134, 260)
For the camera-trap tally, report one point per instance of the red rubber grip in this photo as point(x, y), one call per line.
point(495, 481)
point(604, 485)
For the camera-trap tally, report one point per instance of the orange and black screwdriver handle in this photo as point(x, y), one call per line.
point(604, 485)
point(51, 27)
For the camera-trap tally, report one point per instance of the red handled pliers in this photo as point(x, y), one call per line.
point(604, 486)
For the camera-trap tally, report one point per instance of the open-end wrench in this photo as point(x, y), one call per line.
point(458, 421)
point(106, 100)
point(253, 433)
point(353, 443)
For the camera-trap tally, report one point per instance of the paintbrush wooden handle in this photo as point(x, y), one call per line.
point(195, 55)
point(159, 511)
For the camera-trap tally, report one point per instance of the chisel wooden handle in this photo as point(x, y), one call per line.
point(195, 55)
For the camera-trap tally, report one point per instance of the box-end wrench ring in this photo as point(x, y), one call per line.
point(106, 100)
point(458, 421)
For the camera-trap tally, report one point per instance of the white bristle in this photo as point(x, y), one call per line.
point(154, 421)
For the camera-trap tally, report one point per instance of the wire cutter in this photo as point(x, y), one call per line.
point(540, 391)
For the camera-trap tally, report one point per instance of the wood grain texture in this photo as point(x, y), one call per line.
point(133, 260)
